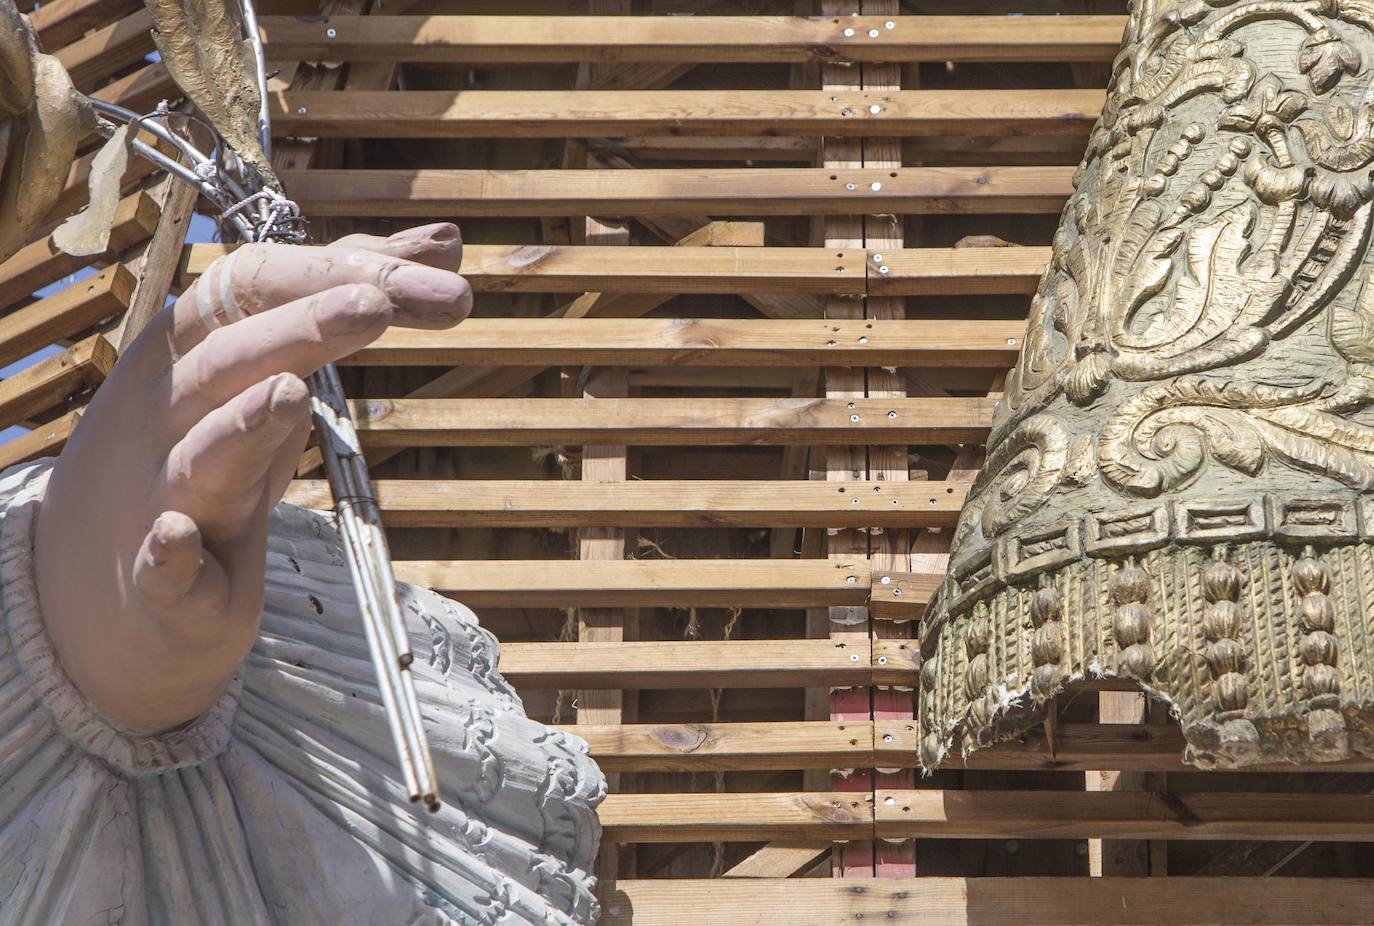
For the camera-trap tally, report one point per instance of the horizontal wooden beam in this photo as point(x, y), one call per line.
point(672, 664)
point(703, 342)
point(108, 49)
point(699, 747)
point(956, 271)
point(934, 813)
point(654, 503)
point(612, 113)
point(718, 192)
point(562, 269)
point(48, 382)
point(38, 264)
point(744, 270)
point(978, 814)
point(670, 422)
point(642, 582)
point(46, 440)
point(1046, 901)
point(692, 39)
point(738, 817)
point(62, 22)
point(65, 313)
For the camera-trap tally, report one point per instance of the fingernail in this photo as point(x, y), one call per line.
point(437, 231)
point(426, 290)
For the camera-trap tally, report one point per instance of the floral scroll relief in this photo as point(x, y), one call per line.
point(1221, 208)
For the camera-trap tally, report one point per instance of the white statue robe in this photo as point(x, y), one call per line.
point(281, 805)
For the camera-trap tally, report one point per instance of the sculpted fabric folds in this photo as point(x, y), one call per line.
point(280, 805)
point(1180, 482)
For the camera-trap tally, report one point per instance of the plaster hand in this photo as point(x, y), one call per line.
point(152, 536)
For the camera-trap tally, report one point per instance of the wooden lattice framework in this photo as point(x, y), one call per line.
point(747, 288)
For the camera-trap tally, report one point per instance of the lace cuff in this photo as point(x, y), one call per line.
point(131, 753)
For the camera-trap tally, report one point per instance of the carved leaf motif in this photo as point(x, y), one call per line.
point(1324, 57)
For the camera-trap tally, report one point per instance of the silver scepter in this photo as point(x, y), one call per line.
point(257, 212)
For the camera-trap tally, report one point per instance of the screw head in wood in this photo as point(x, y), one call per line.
point(330, 33)
point(875, 109)
point(872, 33)
point(849, 33)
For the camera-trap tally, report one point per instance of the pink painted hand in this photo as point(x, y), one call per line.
point(152, 536)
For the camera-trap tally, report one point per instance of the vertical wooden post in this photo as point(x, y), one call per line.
point(602, 625)
point(848, 625)
point(891, 549)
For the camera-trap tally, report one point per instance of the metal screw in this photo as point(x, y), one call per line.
point(853, 501)
point(877, 258)
point(896, 592)
point(1011, 341)
point(300, 110)
point(875, 109)
point(876, 186)
point(854, 658)
point(885, 579)
point(889, 800)
point(884, 269)
point(894, 501)
point(845, 111)
point(849, 33)
point(872, 33)
point(863, 340)
point(850, 186)
point(882, 660)
point(851, 404)
point(887, 737)
point(889, 25)
point(854, 418)
point(851, 579)
point(829, 343)
point(892, 415)
point(330, 33)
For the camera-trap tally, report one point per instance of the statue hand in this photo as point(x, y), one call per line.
point(151, 541)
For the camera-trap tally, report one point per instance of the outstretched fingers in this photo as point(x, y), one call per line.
point(218, 473)
point(258, 277)
point(297, 338)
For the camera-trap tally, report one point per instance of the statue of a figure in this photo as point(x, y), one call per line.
point(1179, 487)
point(190, 729)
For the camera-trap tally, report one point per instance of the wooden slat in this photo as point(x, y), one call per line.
point(108, 49)
point(736, 816)
point(702, 342)
point(549, 39)
point(48, 382)
point(38, 264)
point(668, 503)
point(951, 814)
point(672, 422)
point(720, 192)
point(956, 271)
point(596, 113)
point(65, 313)
point(1046, 901)
point(566, 269)
point(911, 271)
point(46, 440)
point(693, 664)
point(61, 22)
point(701, 747)
point(1124, 815)
point(653, 583)
point(731, 746)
